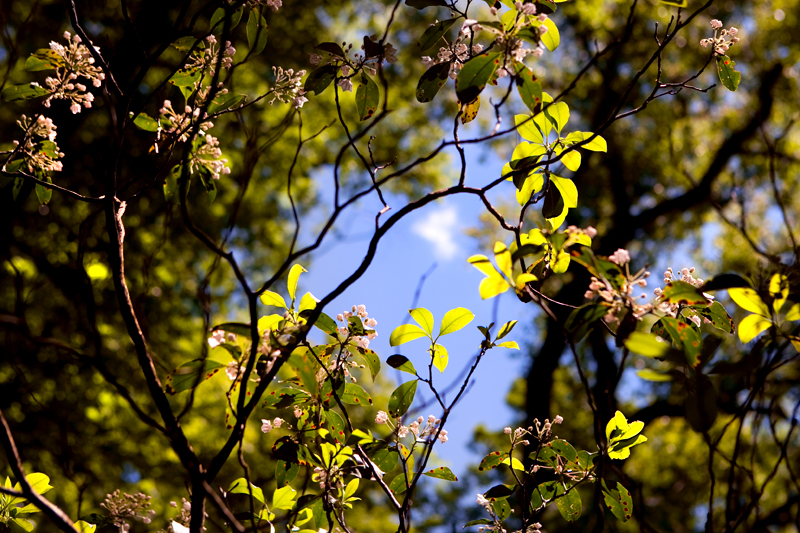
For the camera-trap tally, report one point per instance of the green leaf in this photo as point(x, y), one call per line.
point(44, 194)
point(564, 449)
point(441, 473)
point(371, 359)
point(475, 74)
point(257, 31)
point(511, 345)
point(646, 344)
point(145, 122)
point(501, 508)
point(558, 114)
point(44, 59)
point(434, 34)
point(350, 489)
point(291, 283)
point(749, 300)
point(527, 129)
point(470, 110)
point(552, 38)
point(186, 78)
point(454, 320)
point(401, 398)
point(570, 505)
point(478, 522)
point(218, 16)
point(319, 79)
point(398, 484)
point(401, 363)
point(433, 80)
point(24, 91)
point(285, 472)
point(286, 397)
point(184, 377)
point(728, 75)
point(405, 333)
point(682, 293)
point(240, 487)
point(529, 88)
point(225, 102)
point(84, 527)
point(718, 316)
point(24, 523)
point(505, 329)
point(514, 463)
point(307, 303)
point(440, 357)
point(355, 395)
point(572, 160)
point(424, 318)
point(598, 144)
point(683, 335)
point(283, 498)
point(752, 326)
point(568, 190)
point(274, 299)
point(367, 97)
point(581, 320)
point(326, 324)
point(653, 375)
point(492, 461)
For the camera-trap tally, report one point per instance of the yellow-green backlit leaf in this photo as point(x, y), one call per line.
point(491, 287)
point(455, 319)
point(424, 318)
point(752, 326)
point(405, 333)
point(440, 357)
point(749, 300)
point(274, 299)
point(294, 275)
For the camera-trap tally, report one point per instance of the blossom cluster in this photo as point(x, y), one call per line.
point(620, 299)
point(368, 61)
point(267, 426)
point(205, 61)
point(685, 275)
point(288, 87)
point(207, 153)
point(360, 311)
point(75, 61)
point(722, 40)
point(274, 5)
point(122, 507)
point(457, 52)
point(426, 432)
point(37, 155)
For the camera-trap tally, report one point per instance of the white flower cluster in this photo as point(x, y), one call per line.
point(361, 312)
point(272, 4)
point(267, 426)
point(458, 52)
point(208, 154)
point(722, 40)
point(122, 507)
point(426, 432)
point(182, 520)
point(622, 299)
point(77, 62)
point(671, 309)
point(36, 154)
point(288, 87)
point(206, 60)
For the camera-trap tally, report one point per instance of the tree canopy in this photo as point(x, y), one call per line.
point(170, 172)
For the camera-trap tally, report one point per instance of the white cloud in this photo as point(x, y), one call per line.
point(439, 229)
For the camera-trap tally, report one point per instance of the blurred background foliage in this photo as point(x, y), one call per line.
point(672, 172)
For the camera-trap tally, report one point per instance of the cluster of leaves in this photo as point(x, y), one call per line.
point(553, 473)
point(16, 509)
